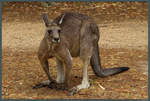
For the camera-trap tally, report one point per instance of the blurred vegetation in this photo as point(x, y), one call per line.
point(107, 11)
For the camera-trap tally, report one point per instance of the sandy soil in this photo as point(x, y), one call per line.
point(121, 44)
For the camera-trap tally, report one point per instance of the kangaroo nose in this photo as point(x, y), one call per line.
point(56, 39)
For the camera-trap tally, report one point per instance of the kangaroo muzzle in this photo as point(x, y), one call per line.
point(56, 40)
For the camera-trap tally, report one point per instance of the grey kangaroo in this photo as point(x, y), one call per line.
point(71, 35)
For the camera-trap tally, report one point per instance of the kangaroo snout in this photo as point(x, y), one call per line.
point(56, 40)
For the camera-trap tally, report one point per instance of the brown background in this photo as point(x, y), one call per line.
point(123, 42)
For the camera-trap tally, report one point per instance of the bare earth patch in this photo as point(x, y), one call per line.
point(121, 44)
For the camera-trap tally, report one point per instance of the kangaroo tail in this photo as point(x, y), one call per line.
point(97, 68)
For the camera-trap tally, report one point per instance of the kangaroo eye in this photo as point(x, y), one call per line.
point(50, 31)
point(59, 31)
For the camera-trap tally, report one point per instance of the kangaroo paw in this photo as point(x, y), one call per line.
point(42, 84)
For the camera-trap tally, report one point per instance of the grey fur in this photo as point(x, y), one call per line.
point(79, 36)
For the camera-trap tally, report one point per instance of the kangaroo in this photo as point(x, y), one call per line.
point(71, 35)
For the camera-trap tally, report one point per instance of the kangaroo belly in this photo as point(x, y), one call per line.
point(75, 50)
point(73, 44)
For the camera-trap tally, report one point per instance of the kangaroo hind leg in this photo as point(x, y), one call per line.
point(85, 79)
point(86, 48)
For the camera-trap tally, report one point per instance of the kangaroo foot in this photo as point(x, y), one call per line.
point(52, 85)
point(43, 84)
point(76, 89)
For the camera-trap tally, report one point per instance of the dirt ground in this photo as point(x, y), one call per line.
point(123, 43)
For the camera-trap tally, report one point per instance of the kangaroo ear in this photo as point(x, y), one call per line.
point(45, 19)
point(61, 20)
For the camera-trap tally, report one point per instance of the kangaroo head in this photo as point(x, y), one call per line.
point(52, 30)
